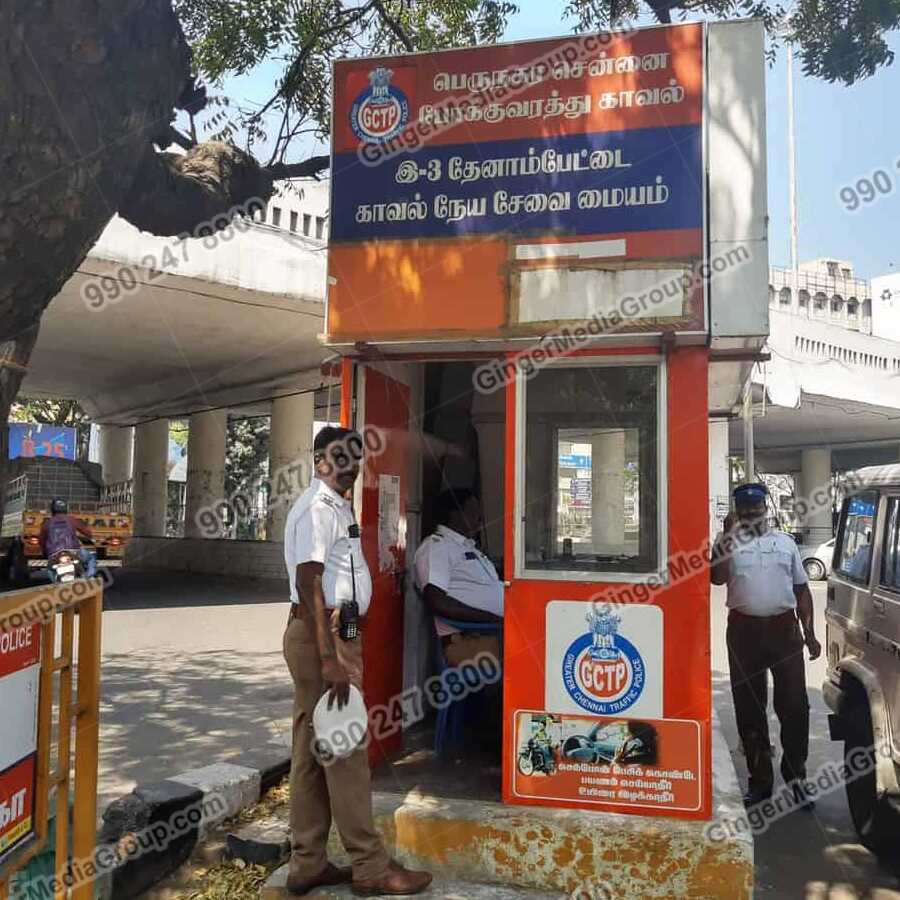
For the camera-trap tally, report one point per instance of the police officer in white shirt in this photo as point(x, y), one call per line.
point(457, 580)
point(768, 592)
point(328, 573)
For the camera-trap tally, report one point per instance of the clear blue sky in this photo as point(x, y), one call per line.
point(842, 134)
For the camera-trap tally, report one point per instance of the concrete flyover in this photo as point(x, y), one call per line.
point(203, 327)
point(151, 328)
point(828, 399)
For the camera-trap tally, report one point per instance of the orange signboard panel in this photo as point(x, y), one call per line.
point(451, 169)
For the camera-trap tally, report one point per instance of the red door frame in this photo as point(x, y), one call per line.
point(385, 405)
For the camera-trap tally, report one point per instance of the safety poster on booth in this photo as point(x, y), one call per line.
point(638, 763)
point(20, 657)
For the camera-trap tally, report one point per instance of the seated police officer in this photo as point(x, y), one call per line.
point(768, 592)
point(458, 581)
point(328, 574)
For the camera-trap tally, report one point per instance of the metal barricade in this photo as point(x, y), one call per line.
point(68, 700)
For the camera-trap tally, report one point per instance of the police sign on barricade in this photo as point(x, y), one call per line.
point(38, 688)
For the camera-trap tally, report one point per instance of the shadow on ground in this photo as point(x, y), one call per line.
point(468, 772)
point(813, 855)
point(165, 713)
point(132, 589)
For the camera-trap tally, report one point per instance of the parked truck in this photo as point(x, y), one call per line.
point(33, 484)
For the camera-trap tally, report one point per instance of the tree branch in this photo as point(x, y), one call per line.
point(305, 169)
point(394, 25)
point(181, 140)
point(174, 193)
point(347, 19)
point(662, 9)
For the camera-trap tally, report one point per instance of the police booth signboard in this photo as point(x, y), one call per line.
point(538, 211)
point(469, 184)
point(20, 657)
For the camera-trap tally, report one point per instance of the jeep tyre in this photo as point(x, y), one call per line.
point(876, 824)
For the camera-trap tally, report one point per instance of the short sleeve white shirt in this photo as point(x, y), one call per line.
point(318, 530)
point(762, 573)
point(453, 563)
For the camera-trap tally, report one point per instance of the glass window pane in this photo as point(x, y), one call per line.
point(890, 557)
point(855, 556)
point(591, 469)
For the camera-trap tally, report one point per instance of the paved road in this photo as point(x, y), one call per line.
point(817, 855)
point(192, 673)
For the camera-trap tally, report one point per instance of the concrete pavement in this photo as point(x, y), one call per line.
point(193, 674)
point(811, 855)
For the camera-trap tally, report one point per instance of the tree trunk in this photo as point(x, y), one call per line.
point(13, 362)
point(87, 93)
point(85, 87)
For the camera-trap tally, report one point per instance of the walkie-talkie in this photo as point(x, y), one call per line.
point(349, 614)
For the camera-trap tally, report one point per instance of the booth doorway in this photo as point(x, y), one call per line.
point(455, 440)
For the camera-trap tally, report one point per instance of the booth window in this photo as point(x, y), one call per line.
point(591, 469)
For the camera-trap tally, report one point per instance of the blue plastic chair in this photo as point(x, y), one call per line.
point(450, 717)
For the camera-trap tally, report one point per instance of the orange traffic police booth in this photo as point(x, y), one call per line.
point(522, 283)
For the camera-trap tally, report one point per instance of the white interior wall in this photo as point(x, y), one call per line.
point(489, 419)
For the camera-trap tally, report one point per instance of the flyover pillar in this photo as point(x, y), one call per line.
point(608, 492)
point(205, 485)
point(815, 485)
point(290, 457)
point(719, 475)
point(151, 472)
point(116, 452)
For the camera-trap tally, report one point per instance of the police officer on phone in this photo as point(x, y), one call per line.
point(330, 593)
point(769, 605)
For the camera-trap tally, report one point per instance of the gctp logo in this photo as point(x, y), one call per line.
point(602, 671)
point(381, 110)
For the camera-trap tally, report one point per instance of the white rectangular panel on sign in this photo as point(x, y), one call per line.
point(18, 715)
point(604, 660)
point(550, 293)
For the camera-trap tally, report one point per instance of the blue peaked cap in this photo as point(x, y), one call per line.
point(748, 494)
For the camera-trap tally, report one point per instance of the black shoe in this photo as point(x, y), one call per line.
point(754, 797)
point(802, 796)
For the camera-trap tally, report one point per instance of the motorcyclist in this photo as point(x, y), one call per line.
point(541, 740)
point(63, 532)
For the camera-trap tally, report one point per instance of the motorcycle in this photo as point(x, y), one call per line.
point(533, 759)
point(65, 566)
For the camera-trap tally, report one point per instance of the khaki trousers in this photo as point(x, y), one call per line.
point(341, 790)
point(463, 647)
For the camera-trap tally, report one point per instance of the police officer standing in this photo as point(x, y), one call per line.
point(769, 602)
point(327, 572)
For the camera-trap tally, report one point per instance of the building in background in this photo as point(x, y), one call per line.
point(886, 306)
point(827, 400)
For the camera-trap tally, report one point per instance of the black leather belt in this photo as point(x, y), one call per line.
point(781, 617)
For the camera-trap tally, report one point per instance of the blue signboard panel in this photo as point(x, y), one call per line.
point(645, 179)
point(860, 507)
point(27, 439)
point(574, 461)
